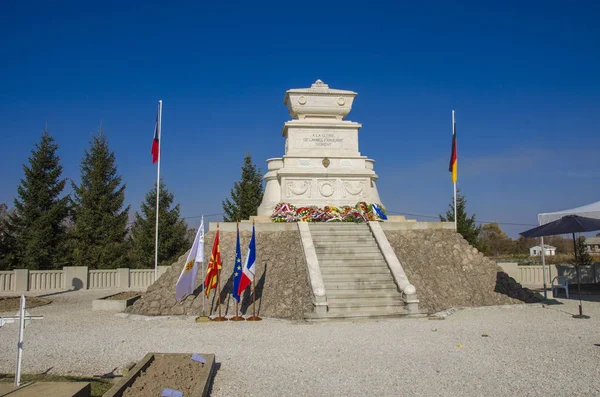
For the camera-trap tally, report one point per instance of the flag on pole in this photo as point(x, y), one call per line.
point(186, 284)
point(250, 266)
point(453, 159)
point(237, 268)
point(155, 145)
point(214, 266)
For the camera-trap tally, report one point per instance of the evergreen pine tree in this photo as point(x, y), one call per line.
point(34, 236)
point(98, 235)
point(583, 256)
point(4, 265)
point(172, 241)
point(246, 194)
point(465, 225)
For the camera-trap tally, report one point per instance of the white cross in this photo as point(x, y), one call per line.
point(24, 317)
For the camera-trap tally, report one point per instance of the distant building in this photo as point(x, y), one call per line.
point(537, 250)
point(592, 245)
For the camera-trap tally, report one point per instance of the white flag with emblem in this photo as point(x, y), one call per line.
point(187, 280)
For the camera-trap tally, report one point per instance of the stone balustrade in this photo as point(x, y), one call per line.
point(75, 278)
point(532, 275)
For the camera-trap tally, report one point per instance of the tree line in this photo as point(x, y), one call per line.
point(48, 229)
point(493, 242)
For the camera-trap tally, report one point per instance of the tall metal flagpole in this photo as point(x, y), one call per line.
point(456, 161)
point(203, 271)
point(544, 268)
point(157, 191)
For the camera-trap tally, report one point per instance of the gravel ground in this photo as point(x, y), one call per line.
point(531, 350)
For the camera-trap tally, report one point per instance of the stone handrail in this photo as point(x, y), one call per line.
point(314, 270)
point(395, 266)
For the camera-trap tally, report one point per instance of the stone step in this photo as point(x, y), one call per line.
point(345, 243)
point(365, 256)
point(363, 270)
point(353, 262)
point(357, 233)
point(366, 293)
point(357, 278)
point(322, 227)
point(365, 308)
point(333, 287)
point(336, 303)
point(347, 250)
point(331, 239)
point(344, 314)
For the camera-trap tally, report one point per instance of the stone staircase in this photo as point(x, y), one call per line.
point(357, 279)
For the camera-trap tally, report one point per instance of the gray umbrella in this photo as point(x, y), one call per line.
point(567, 224)
point(564, 225)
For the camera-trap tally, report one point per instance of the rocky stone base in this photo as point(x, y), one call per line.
point(282, 287)
point(448, 272)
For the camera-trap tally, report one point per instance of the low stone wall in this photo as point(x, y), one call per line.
point(75, 278)
point(533, 275)
point(448, 272)
point(281, 280)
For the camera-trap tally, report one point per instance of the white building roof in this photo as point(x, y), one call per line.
point(546, 246)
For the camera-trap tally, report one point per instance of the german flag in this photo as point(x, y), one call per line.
point(214, 267)
point(453, 160)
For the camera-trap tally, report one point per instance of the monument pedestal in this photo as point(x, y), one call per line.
point(322, 165)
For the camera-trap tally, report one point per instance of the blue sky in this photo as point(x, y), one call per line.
point(522, 77)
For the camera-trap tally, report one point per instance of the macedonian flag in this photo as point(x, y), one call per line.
point(453, 160)
point(214, 266)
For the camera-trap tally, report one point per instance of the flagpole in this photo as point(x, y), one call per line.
point(157, 191)
point(254, 316)
point(203, 273)
point(218, 292)
point(237, 316)
point(455, 215)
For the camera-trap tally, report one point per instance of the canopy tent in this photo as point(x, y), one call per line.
point(567, 224)
point(589, 211)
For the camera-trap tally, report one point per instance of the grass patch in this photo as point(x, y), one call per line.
point(99, 386)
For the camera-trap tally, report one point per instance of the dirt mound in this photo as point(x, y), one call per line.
point(174, 372)
point(448, 272)
point(13, 303)
point(282, 287)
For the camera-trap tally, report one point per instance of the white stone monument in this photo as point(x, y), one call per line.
point(321, 165)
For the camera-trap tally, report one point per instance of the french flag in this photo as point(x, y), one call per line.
point(155, 142)
point(249, 267)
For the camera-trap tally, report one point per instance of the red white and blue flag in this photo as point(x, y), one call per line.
point(155, 142)
point(237, 268)
point(249, 268)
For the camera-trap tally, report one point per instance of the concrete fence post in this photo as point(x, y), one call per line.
point(123, 275)
point(76, 277)
point(21, 280)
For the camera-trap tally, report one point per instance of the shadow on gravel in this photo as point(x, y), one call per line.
point(509, 286)
point(212, 379)
point(57, 293)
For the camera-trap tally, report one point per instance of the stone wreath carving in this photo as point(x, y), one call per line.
point(354, 188)
point(298, 187)
point(327, 187)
